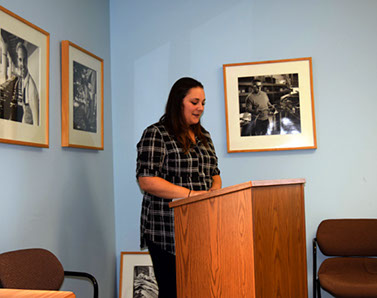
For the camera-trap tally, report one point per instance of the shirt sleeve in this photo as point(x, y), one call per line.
point(150, 153)
point(216, 170)
point(249, 105)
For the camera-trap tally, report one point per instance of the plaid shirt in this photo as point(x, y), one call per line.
point(161, 155)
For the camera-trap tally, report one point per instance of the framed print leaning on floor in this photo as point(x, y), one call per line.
point(82, 98)
point(24, 81)
point(137, 279)
point(269, 105)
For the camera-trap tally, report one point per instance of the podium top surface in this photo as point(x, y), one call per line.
point(234, 188)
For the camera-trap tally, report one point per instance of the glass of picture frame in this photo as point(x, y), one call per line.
point(82, 98)
point(137, 279)
point(269, 105)
point(24, 81)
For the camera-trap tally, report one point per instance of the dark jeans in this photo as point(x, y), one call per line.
point(164, 270)
point(261, 127)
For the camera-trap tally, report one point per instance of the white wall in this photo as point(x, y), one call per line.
point(153, 43)
point(56, 198)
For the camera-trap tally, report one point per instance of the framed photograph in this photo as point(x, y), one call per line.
point(82, 98)
point(269, 105)
point(137, 278)
point(24, 81)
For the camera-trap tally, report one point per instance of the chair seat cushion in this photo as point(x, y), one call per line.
point(349, 277)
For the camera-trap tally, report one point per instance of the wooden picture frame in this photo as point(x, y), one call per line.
point(137, 275)
point(82, 98)
point(269, 105)
point(24, 81)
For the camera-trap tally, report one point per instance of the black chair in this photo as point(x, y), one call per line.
point(351, 267)
point(36, 269)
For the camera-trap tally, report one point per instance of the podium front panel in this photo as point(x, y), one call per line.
point(214, 247)
point(279, 241)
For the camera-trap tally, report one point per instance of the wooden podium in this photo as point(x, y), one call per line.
point(246, 240)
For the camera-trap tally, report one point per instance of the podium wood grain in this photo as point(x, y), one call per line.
point(215, 263)
point(279, 241)
point(246, 240)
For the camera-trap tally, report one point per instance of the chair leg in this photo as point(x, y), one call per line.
point(318, 289)
point(314, 288)
point(315, 279)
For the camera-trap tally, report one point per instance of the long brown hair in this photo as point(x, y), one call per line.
point(173, 119)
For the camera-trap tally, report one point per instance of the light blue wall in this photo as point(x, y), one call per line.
point(67, 204)
point(62, 199)
point(153, 43)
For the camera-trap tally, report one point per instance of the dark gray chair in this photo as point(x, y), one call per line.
point(36, 269)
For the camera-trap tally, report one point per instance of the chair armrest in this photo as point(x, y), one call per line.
point(85, 275)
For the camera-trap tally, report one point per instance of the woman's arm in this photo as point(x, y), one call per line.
point(216, 184)
point(164, 189)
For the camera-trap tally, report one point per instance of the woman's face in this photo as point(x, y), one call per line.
point(193, 105)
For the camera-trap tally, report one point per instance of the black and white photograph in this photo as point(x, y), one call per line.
point(84, 98)
point(24, 81)
point(145, 284)
point(19, 95)
point(137, 279)
point(269, 105)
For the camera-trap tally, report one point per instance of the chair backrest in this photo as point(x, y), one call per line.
point(348, 237)
point(34, 269)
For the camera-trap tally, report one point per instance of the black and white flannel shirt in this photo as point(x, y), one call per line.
point(161, 155)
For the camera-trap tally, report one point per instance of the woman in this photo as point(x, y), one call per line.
point(176, 159)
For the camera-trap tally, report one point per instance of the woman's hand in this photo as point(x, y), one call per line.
point(197, 192)
point(216, 183)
